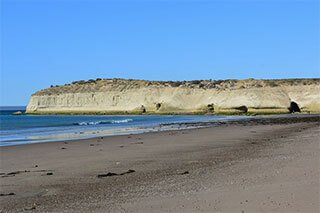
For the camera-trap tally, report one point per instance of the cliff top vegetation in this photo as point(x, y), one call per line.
point(117, 84)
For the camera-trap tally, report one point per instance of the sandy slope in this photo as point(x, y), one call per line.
point(230, 168)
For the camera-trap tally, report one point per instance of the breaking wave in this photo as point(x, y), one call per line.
point(103, 122)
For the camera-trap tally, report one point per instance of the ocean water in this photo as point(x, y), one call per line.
point(24, 129)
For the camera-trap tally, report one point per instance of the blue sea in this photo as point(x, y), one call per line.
point(26, 129)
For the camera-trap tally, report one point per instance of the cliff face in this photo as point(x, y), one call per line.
point(132, 96)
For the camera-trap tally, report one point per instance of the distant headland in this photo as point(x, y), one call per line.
point(128, 96)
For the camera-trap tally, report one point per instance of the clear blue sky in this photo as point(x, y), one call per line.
point(48, 42)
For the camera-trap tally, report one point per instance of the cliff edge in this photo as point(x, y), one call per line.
point(121, 96)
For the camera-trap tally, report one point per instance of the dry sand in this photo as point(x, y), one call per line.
point(266, 165)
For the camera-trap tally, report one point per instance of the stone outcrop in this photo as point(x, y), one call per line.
point(120, 96)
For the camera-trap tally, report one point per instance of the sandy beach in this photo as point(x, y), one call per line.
point(261, 165)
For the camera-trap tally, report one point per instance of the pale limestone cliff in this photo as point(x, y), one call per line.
point(135, 96)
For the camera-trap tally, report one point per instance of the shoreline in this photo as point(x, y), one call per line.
point(242, 120)
point(83, 127)
point(266, 164)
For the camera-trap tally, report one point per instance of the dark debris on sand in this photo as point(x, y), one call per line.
point(7, 194)
point(183, 173)
point(115, 174)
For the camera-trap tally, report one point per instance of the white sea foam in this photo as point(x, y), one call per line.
point(104, 122)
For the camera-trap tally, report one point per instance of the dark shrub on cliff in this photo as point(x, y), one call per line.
point(176, 83)
point(195, 82)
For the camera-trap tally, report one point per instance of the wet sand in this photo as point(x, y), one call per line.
point(261, 165)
